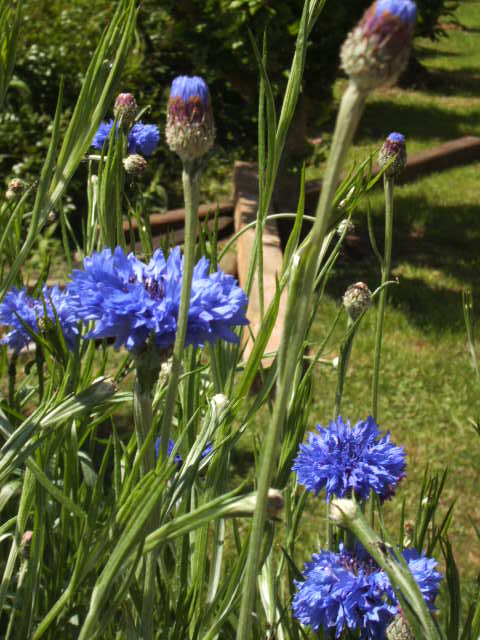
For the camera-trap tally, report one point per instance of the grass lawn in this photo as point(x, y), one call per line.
point(428, 389)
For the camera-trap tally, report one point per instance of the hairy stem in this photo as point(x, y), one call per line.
point(298, 305)
point(387, 259)
point(191, 190)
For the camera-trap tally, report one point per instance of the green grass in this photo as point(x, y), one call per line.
point(428, 391)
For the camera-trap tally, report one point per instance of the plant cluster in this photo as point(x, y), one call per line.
point(126, 393)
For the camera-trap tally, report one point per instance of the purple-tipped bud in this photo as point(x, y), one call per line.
point(135, 164)
point(393, 149)
point(357, 298)
point(190, 130)
point(15, 189)
point(126, 108)
point(377, 50)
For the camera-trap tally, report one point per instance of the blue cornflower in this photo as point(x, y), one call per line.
point(178, 458)
point(131, 300)
point(17, 304)
point(426, 576)
point(142, 138)
point(347, 590)
point(171, 445)
point(343, 459)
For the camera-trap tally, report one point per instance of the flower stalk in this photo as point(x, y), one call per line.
point(146, 376)
point(387, 259)
point(191, 190)
point(298, 305)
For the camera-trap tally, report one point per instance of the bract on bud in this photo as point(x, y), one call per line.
point(357, 298)
point(15, 189)
point(393, 149)
point(377, 50)
point(342, 511)
point(190, 130)
point(135, 164)
point(345, 226)
point(126, 108)
point(398, 629)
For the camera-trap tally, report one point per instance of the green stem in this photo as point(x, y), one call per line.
point(191, 190)
point(345, 351)
point(387, 259)
point(298, 305)
point(142, 412)
point(12, 376)
point(40, 359)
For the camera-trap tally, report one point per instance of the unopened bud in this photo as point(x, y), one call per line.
point(135, 164)
point(275, 503)
point(376, 52)
point(15, 189)
point(357, 298)
point(126, 108)
point(190, 130)
point(398, 629)
point(220, 401)
point(345, 226)
point(393, 151)
point(343, 203)
point(342, 511)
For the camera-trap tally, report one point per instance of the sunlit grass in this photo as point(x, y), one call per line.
point(428, 392)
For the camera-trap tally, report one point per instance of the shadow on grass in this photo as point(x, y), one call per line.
point(436, 251)
point(415, 121)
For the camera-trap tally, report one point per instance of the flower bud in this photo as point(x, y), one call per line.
point(125, 108)
point(377, 50)
point(220, 401)
point(275, 503)
point(346, 226)
point(398, 629)
point(393, 149)
point(15, 189)
point(357, 298)
point(190, 130)
point(135, 164)
point(342, 511)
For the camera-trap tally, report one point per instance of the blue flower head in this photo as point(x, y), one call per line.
point(178, 458)
point(346, 590)
point(405, 10)
point(17, 304)
point(187, 88)
point(396, 137)
point(344, 459)
point(131, 300)
point(190, 130)
point(142, 138)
